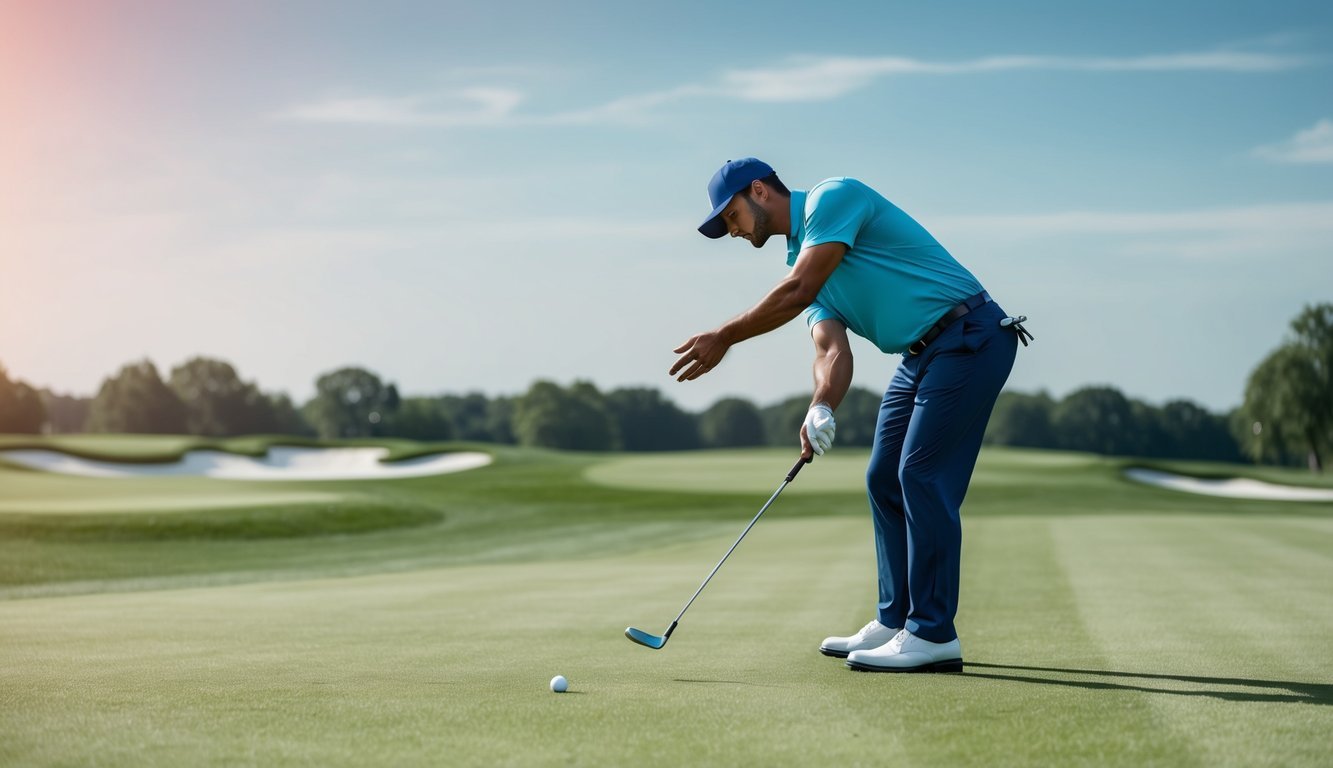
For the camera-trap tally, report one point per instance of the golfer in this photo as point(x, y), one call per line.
point(859, 263)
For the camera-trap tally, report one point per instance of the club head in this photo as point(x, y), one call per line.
point(643, 638)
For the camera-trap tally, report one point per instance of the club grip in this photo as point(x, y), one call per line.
point(801, 462)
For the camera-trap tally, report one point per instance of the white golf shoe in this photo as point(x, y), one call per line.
point(872, 635)
point(908, 653)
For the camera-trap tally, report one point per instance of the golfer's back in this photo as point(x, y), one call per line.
point(895, 279)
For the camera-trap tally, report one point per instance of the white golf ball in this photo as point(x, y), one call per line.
point(559, 684)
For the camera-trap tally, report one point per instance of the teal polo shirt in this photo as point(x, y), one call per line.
point(894, 282)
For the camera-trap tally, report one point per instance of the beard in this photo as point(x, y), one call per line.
point(763, 224)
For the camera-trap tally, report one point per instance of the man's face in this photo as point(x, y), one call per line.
point(746, 218)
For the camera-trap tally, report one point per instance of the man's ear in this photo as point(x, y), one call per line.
point(758, 190)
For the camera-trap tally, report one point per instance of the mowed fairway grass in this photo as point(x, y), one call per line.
point(195, 622)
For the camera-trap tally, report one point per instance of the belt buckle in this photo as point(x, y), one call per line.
point(917, 347)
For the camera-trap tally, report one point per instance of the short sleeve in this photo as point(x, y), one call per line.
point(817, 313)
point(835, 212)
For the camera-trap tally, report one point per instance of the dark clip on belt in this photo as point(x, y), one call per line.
point(1017, 324)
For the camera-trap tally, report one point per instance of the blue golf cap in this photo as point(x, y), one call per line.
point(731, 178)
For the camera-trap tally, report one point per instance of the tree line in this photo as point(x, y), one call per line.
point(1286, 416)
point(208, 397)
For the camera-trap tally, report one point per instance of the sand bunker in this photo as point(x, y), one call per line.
point(279, 464)
point(1232, 488)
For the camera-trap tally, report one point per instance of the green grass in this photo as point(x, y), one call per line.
point(1103, 622)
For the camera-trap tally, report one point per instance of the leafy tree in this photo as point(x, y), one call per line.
point(1021, 419)
point(136, 400)
point(1313, 331)
point(287, 418)
point(419, 418)
point(21, 407)
point(65, 414)
point(857, 417)
point(470, 415)
point(351, 402)
point(1190, 431)
point(1286, 409)
point(1096, 419)
point(782, 420)
point(731, 422)
point(1144, 435)
point(576, 418)
point(217, 402)
point(478, 418)
point(500, 419)
point(1287, 414)
point(647, 421)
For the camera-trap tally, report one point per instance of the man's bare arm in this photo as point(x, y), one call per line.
point(701, 353)
point(833, 363)
point(833, 370)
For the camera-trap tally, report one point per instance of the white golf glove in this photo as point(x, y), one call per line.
point(819, 427)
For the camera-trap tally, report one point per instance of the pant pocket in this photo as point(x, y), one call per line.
point(974, 334)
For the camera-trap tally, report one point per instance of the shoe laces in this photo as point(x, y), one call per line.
point(868, 628)
point(899, 640)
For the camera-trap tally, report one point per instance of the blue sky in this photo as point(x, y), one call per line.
point(472, 196)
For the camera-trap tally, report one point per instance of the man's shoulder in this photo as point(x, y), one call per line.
point(839, 195)
point(840, 189)
point(838, 183)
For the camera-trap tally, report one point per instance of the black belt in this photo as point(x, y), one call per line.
point(969, 304)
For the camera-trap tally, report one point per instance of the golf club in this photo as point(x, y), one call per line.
point(656, 642)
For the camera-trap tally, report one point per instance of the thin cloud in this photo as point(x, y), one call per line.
point(1218, 61)
point(630, 108)
point(1312, 145)
point(825, 78)
point(799, 79)
point(1277, 230)
point(464, 107)
point(1313, 216)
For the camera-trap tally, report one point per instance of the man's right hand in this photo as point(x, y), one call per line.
point(701, 353)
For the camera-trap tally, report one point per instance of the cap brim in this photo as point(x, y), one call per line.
point(714, 227)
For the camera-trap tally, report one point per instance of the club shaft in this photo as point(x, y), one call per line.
point(762, 510)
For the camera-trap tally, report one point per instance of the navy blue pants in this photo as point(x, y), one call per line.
point(929, 433)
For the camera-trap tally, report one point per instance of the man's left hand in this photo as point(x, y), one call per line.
point(699, 355)
point(817, 431)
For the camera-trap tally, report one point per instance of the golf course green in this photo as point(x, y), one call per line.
point(173, 621)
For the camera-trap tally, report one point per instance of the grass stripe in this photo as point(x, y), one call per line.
point(1023, 633)
point(1190, 612)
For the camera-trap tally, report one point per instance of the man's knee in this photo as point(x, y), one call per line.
point(923, 480)
point(917, 477)
point(882, 484)
point(928, 490)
